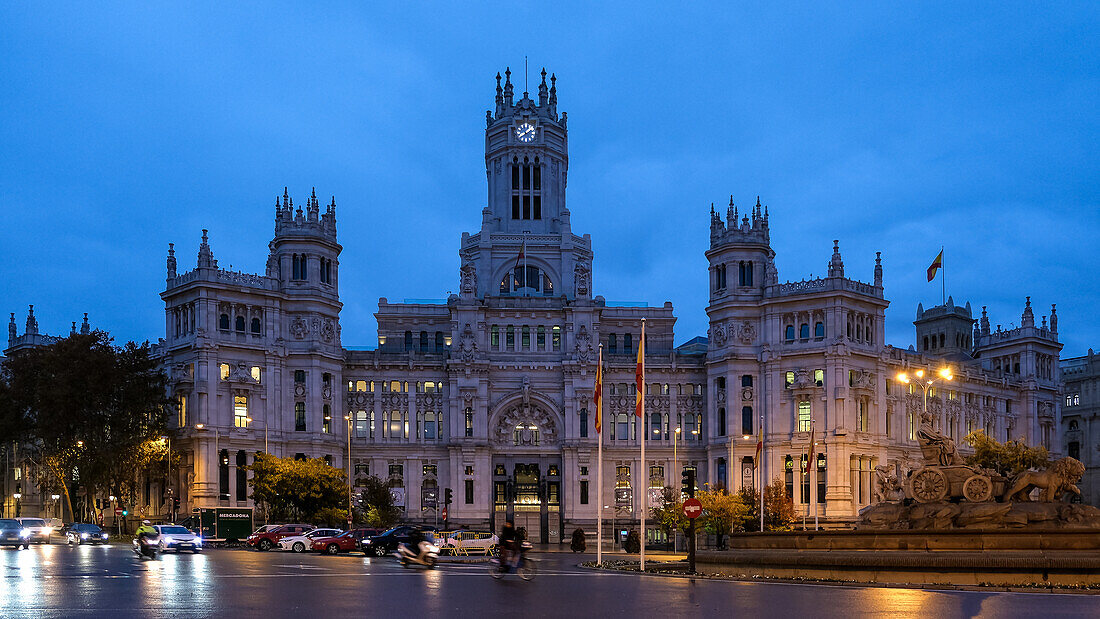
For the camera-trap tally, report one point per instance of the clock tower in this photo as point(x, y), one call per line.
point(525, 247)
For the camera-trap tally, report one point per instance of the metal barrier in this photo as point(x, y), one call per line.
point(459, 542)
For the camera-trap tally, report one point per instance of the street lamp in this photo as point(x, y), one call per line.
point(925, 383)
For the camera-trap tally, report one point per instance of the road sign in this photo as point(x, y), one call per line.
point(118, 511)
point(693, 508)
point(444, 513)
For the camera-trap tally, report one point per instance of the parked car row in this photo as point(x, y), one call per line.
point(372, 542)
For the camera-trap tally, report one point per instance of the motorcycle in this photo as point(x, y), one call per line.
point(146, 547)
point(426, 554)
point(524, 566)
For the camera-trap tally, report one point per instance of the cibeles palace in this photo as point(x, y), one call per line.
point(489, 392)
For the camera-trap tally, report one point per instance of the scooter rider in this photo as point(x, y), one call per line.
point(145, 530)
point(416, 542)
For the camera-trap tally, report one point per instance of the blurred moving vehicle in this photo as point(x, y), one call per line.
point(301, 543)
point(421, 550)
point(345, 542)
point(39, 530)
point(386, 543)
point(13, 534)
point(146, 547)
point(84, 533)
point(265, 538)
point(175, 537)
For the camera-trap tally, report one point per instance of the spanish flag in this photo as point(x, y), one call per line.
point(639, 377)
point(597, 393)
point(936, 265)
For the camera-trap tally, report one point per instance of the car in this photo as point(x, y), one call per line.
point(302, 543)
point(13, 534)
point(267, 536)
point(39, 530)
point(469, 542)
point(84, 533)
point(176, 537)
point(345, 542)
point(386, 543)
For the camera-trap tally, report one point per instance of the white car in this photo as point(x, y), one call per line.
point(38, 531)
point(301, 543)
point(469, 542)
point(175, 537)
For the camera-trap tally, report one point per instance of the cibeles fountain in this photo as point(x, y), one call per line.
point(943, 492)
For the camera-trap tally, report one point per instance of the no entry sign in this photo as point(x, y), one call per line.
point(693, 508)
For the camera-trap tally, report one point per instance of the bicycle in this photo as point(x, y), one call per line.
point(525, 568)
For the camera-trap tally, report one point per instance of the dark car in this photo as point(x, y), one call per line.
point(387, 542)
point(83, 533)
point(345, 542)
point(13, 534)
point(267, 536)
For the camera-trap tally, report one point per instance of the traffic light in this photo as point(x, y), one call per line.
point(125, 512)
point(175, 504)
point(689, 482)
point(447, 496)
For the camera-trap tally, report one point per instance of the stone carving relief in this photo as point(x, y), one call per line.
point(328, 332)
point(581, 280)
point(467, 344)
point(746, 333)
point(584, 345)
point(526, 426)
point(718, 334)
point(298, 327)
point(468, 275)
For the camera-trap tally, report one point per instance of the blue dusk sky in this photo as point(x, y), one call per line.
point(894, 127)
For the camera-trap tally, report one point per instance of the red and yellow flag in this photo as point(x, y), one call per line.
point(597, 393)
point(639, 376)
point(936, 265)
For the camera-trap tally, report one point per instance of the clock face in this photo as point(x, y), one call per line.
point(525, 132)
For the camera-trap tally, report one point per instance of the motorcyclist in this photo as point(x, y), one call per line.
point(146, 530)
point(416, 542)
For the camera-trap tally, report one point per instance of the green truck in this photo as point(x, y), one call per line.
point(224, 523)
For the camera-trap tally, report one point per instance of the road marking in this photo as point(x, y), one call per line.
point(302, 566)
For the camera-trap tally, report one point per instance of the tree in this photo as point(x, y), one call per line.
point(1008, 459)
point(778, 509)
point(292, 489)
point(722, 512)
point(88, 413)
point(670, 515)
point(377, 502)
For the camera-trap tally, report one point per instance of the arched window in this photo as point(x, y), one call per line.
point(746, 420)
point(584, 422)
point(326, 419)
point(788, 476)
point(299, 416)
point(547, 285)
point(395, 427)
point(789, 332)
point(240, 324)
point(255, 326)
point(423, 341)
point(804, 331)
point(555, 337)
point(494, 337)
point(654, 431)
point(223, 322)
point(430, 426)
point(408, 340)
point(525, 337)
point(819, 329)
point(628, 342)
point(622, 427)
point(925, 343)
point(438, 341)
point(612, 343)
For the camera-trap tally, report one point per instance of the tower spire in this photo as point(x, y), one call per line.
point(508, 87)
point(544, 92)
point(878, 269)
point(836, 265)
point(206, 257)
point(171, 262)
point(32, 322)
point(12, 334)
point(85, 328)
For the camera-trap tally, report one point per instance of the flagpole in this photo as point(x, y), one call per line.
point(943, 279)
point(760, 472)
point(599, 458)
point(645, 435)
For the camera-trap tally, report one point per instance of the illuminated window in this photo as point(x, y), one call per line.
point(326, 419)
point(299, 416)
point(469, 421)
point(224, 370)
point(240, 411)
point(182, 401)
point(361, 424)
point(555, 337)
point(819, 377)
point(256, 373)
point(804, 416)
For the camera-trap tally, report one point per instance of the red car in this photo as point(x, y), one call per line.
point(345, 542)
point(267, 536)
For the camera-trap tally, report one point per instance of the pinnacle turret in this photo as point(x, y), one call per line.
point(12, 333)
point(878, 269)
point(508, 90)
point(85, 328)
point(1053, 319)
point(544, 92)
point(1027, 319)
point(984, 321)
point(171, 262)
point(32, 322)
point(836, 265)
point(206, 257)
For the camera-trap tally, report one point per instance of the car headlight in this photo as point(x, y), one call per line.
point(366, 542)
point(198, 541)
point(104, 536)
point(84, 536)
point(47, 530)
point(25, 532)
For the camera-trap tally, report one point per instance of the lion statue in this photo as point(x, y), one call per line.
point(1056, 479)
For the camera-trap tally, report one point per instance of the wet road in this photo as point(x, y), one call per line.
point(58, 581)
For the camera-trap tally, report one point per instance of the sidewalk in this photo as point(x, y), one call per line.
point(612, 555)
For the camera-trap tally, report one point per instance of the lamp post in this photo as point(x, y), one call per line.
point(17, 496)
point(348, 419)
point(925, 384)
point(55, 498)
